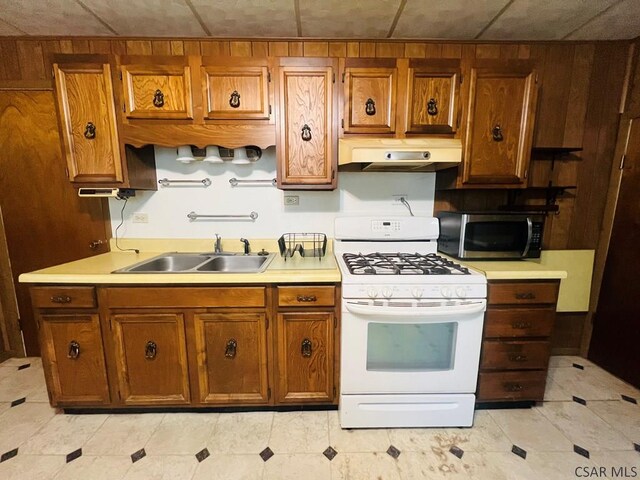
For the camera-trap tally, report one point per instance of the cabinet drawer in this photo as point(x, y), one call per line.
point(511, 386)
point(185, 297)
point(519, 322)
point(497, 354)
point(63, 297)
point(306, 296)
point(523, 293)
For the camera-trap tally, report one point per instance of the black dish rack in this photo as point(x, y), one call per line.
point(307, 244)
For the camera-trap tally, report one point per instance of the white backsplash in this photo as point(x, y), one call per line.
point(167, 209)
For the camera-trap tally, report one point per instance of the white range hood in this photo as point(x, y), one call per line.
point(399, 154)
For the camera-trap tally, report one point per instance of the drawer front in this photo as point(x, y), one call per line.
point(519, 322)
point(506, 386)
point(523, 293)
point(186, 297)
point(63, 297)
point(514, 355)
point(321, 296)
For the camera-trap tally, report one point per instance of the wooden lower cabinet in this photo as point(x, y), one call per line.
point(151, 358)
point(305, 357)
point(516, 342)
point(231, 357)
point(73, 359)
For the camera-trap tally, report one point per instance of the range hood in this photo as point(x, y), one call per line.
point(399, 154)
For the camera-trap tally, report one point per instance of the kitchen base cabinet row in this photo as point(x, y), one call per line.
point(189, 346)
point(516, 343)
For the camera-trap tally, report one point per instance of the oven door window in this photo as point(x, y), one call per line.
point(496, 236)
point(411, 347)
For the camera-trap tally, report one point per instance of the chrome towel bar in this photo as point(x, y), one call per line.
point(165, 182)
point(194, 216)
point(235, 182)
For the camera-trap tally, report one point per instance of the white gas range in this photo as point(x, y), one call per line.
point(411, 326)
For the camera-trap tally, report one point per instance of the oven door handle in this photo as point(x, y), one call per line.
point(447, 311)
point(529, 237)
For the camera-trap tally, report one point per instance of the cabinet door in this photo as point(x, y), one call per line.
point(236, 92)
point(370, 100)
point(88, 122)
point(307, 142)
point(432, 99)
point(157, 91)
point(305, 357)
point(500, 125)
point(151, 358)
point(231, 354)
point(73, 359)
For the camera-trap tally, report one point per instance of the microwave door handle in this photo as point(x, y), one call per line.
point(424, 312)
point(529, 237)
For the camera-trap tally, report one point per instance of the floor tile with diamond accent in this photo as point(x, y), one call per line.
point(356, 440)
point(170, 467)
point(32, 467)
point(237, 433)
point(63, 434)
point(308, 466)
point(181, 434)
point(226, 467)
point(123, 434)
point(299, 432)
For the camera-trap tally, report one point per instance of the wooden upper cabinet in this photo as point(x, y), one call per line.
point(155, 89)
point(433, 93)
point(84, 93)
point(307, 147)
point(235, 89)
point(502, 103)
point(370, 96)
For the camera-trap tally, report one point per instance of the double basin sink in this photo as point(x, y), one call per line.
point(202, 263)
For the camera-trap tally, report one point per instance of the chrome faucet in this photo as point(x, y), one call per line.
point(218, 244)
point(246, 246)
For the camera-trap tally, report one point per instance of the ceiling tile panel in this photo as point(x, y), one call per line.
point(621, 21)
point(6, 29)
point(147, 18)
point(248, 18)
point(543, 19)
point(51, 17)
point(451, 19)
point(347, 18)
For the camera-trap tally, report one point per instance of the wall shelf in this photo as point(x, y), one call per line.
point(552, 192)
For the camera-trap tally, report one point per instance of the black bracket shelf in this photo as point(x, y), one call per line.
point(552, 192)
point(555, 153)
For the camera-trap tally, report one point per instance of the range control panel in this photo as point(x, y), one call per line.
point(385, 226)
point(444, 291)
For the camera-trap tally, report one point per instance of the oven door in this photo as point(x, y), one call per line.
point(408, 347)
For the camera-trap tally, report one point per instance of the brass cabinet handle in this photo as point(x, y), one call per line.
point(230, 349)
point(518, 358)
point(432, 107)
point(521, 325)
point(150, 350)
point(234, 101)
point(525, 296)
point(90, 131)
point(158, 99)
point(496, 133)
point(93, 245)
point(306, 132)
point(74, 350)
point(61, 299)
point(306, 348)
point(513, 387)
point(370, 107)
point(306, 298)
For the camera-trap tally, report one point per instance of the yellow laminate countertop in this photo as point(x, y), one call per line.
point(98, 270)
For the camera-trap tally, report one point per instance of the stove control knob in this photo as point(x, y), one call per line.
point(446, 292)
point(461, 292)
point(387, 293)
point(372, 292)
point(417, 293)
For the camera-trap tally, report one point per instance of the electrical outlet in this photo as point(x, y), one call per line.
point(291, 200)
point(396, 198)
point(139, 217)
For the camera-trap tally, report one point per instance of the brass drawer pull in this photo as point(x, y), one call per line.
point(370, 107)
point(525, 296)
point(307, 298)
point(230, 349)
point(432, 107)
point(158, 99)
point(234, 101)
point(61, 299)
point(90, 131)
point(306, 132)
point(74, 350)
point(150, 350)
point(518, 358)
point(496, 133)
point(513, 387)
point(521, 325)
point(306, 349)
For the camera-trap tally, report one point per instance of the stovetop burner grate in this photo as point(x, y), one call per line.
point(401, 264)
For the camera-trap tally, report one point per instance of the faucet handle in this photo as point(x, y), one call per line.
point(217, 245)
point(246, 245)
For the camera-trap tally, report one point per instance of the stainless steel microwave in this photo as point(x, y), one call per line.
point(490, 236)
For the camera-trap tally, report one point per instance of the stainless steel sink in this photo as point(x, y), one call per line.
point(201, 263)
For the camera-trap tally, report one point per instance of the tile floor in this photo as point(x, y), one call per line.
point(590, 421)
